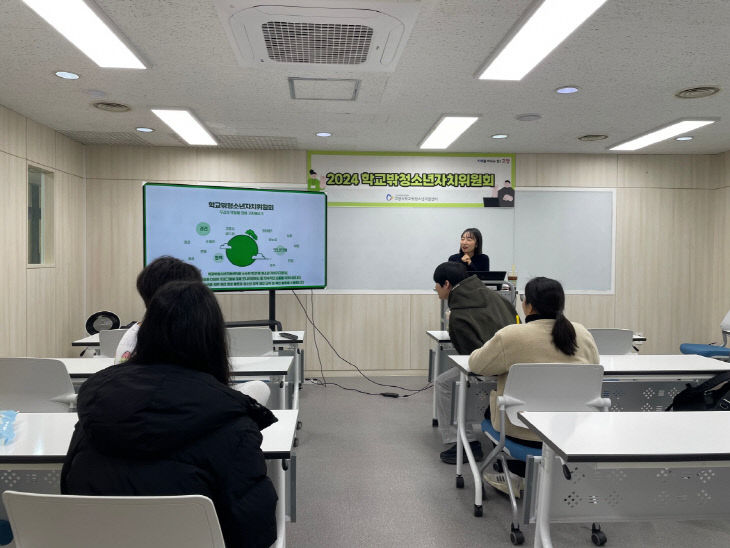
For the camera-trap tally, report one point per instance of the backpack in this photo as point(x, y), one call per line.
point(711, 395)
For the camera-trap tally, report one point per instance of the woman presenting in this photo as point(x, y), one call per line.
point(470, 251)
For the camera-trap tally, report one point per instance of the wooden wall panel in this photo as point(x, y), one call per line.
point(574, 170)
point(425, 316)
point(114, 247)
point(69, 156)
point(42, 313)
point(13, 247)
point(664, 171)
point(12, 132)
point(661, 290)
point(41, 144)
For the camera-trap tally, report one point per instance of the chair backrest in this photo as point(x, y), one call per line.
point(725, 327)
point(553, 387)
point(250, 341)
point(35, 385)
point(109, 340)
point(69, 521)
point(613, 341)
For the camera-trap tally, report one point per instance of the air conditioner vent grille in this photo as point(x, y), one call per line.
point(335, 44)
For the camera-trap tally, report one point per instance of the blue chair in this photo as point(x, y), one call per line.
point(539, 387)
point(711, 350)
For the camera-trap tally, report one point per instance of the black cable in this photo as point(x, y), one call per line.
point(321, 368)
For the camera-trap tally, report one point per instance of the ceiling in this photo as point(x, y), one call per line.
point(629, 59)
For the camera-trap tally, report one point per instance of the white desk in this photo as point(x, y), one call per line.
point(93, 340)
point(42, 440)
point(271, 366)
point(278, 340)
point(623, 375)
point(619, 448)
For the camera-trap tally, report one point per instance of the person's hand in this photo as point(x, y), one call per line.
point(466, 259)
point(508, 198)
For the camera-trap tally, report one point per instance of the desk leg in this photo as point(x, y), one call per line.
point(436, 372)
point(284, 403)
point(280, 484)
point(542, 514)
point(462, 444)
point(297, 380)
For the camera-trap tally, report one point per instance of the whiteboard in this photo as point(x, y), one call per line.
point(567, 234)
point(398, 248)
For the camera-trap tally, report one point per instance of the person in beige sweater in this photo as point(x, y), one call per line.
point(547, 336)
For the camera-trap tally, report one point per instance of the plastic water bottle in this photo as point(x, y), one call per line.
point(7, 426)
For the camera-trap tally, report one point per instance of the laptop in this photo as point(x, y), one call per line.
point(491, 275)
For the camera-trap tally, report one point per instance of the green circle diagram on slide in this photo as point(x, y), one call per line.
point(242, 249)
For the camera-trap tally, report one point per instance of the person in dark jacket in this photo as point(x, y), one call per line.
point(470, 252)
point(166, 423)
point(476, 313)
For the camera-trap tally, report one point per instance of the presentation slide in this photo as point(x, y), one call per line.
point(241, 239)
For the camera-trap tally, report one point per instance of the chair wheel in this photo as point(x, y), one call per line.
point(598, 538)
point(459, 482)
point(299, 425)
point(434, 422)
point(516, 537)
point(478, 511)
point(296, 442)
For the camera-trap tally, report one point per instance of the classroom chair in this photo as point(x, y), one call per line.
point(101, 320)
point(539, 387)
point(69, 521)
point(711, 350)
point(250, 341)
point(35, 385)
point(610, 341)
point(109, 340)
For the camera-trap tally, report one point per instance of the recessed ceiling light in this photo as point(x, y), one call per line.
point(67, 75)
point(662, 134)
point(447, 130)
point(186, 126)
point(567, 90)
point(500, 136)
point(324, 134)
point(78, 23)
point(550, 24)
point(685, 138)
point(528, 117)
point(145, 129)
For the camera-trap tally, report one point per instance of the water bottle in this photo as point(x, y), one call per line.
point(7, 426)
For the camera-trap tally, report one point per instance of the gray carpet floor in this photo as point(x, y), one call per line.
point(369, 475)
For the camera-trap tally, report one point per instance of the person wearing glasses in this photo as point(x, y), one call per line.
point(547, 336)
point(470, 252)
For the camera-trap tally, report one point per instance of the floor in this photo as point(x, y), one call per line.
point(368, 475)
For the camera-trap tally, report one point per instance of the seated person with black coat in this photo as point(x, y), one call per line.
point(165, 422)
point(475, 314)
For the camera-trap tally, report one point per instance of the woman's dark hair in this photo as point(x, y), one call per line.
point(452, 271)
point(162, 270)
point(184, 326)
point(477, 236)
point(547, 297)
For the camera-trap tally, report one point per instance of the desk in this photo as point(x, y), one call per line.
point(632, 382)
point(272, 366)
point(630, 463)
point(278, 340)
point(443, 342)
point(42, 441)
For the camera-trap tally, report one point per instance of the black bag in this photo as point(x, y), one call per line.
point(711, 395)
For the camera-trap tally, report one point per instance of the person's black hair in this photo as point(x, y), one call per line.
point(477, 236)
point(184, 326)
point(162, 270)
point(452, 271)
point(546, 296)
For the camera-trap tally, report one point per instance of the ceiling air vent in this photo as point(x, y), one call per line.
point(697, 93)
point(363, 36)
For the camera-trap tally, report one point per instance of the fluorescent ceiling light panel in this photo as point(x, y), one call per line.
point(78, 23)
point(186, 126)
point(662, 134)
point(548, 26)
point(447, 131)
